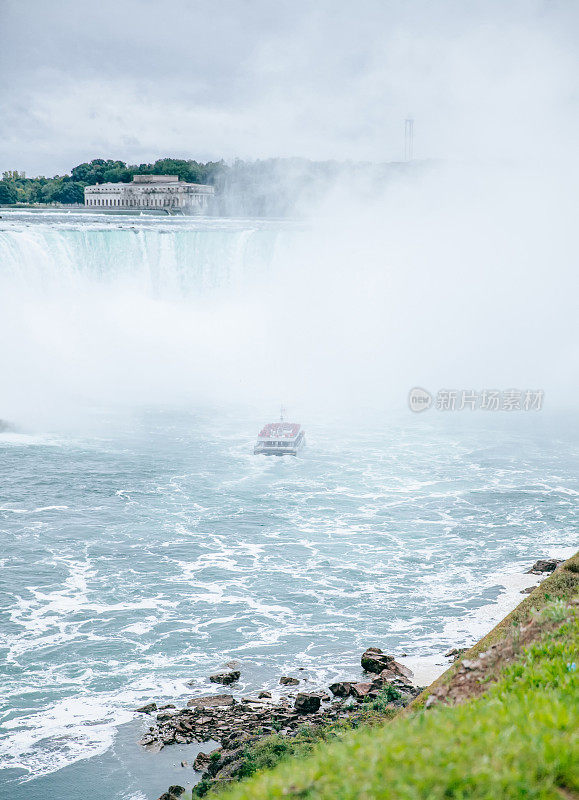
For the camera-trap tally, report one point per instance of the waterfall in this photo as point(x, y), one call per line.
point(163, 261)
point(99, 312)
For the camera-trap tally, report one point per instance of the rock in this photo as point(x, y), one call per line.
point(147, 709)
point(201, 762)
point(406, 672)
point(386, 676)
point(229, 770)
point(211, 701)
point(264, 695)
point(394, 671)
point(226, 757)
point(172, 793)
point(287, 681)
point(307, 703)
point(431, 701)
point(529, 589)
point(225, 677)
point(466, 664)
point(235, 740)
point(168, 705)
point(360, 689)
point(165, 715)
point(374, 660)
point(380, 681)
point(341, 688)
point(456, 652)
point(154, 747)
point(544, 565)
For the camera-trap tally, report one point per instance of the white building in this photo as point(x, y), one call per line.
point(152, 192)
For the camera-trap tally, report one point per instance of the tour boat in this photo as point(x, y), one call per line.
point(280, 439)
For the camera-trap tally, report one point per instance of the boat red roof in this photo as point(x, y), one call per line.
point(280, 430)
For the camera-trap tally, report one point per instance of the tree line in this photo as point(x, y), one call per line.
point(274, 187)
point(15, 187)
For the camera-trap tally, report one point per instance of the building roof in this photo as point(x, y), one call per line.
point(160, 184)
point(156, 179)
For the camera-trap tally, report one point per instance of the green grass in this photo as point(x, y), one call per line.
point(519, 740)
point(562, 585)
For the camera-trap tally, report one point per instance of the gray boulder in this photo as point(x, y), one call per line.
point(360, 690)
point(211, 701)
point(147, 709)
point(341, 688)
point(225, 678)
point(307, 703)
point(545, 565)
point(374, 660)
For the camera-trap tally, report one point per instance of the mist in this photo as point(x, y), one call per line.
point(455, 277)
point(457, 272)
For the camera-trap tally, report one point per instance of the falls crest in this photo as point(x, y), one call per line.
point(97, 314)
point(162, 262)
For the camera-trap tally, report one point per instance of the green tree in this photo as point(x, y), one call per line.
point(13, 175)
point(68, 192)
point(99, 171)
point(8, 194)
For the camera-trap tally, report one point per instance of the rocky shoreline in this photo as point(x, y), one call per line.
point(235, 724)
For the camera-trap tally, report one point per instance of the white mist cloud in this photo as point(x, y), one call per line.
point(450, 277)
point(139, 80)
point(460, 274)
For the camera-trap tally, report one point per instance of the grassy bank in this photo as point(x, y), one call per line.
point(516, 740)
point(563, 584)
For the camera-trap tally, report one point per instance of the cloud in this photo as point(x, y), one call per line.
point(138, 80)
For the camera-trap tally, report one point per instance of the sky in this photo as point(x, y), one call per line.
point(141, 79)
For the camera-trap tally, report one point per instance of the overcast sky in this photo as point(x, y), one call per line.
point(205, 79)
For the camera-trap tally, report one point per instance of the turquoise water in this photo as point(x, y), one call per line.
point(145, 546)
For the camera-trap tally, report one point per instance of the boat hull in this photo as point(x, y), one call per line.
point(262, 449)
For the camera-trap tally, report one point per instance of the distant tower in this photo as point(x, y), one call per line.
point(408, 139)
